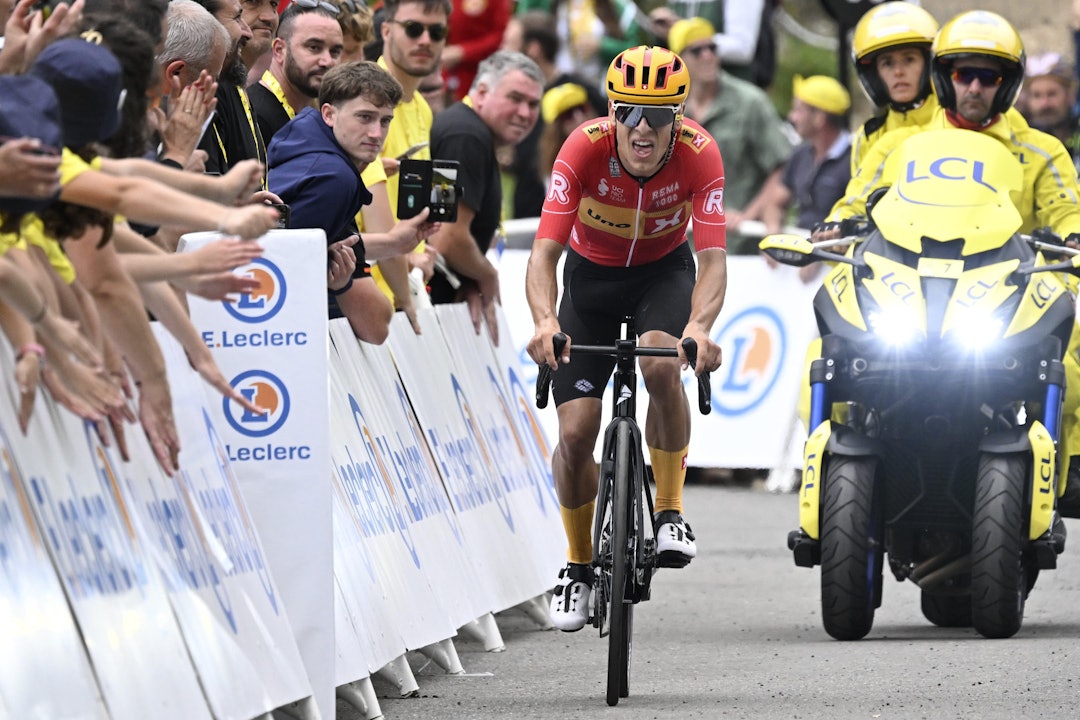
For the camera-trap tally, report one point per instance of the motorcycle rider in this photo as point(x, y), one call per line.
point(891, 52)
point(977, 70)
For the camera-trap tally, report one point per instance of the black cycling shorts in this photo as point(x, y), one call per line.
point(596, 298)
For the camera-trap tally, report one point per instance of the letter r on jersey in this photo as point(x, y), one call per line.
point(557, 191)
point(715, 202)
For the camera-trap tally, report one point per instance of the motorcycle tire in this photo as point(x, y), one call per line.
point(948, 611)
point(999, 582)
point(851, 550)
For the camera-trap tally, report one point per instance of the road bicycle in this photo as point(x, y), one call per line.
point(624, 545)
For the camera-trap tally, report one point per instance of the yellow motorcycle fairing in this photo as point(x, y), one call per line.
point(840, 285)
point(983, 287)
point(1042, 480)
point(894, 284)
point(810, 492)
point(1042, 291)
point(960, 183)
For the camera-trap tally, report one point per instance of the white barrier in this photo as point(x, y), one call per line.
point(272, 345)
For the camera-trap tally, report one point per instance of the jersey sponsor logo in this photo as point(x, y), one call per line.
point(613, 168)
point(597, 130)
point(602, 188)
point(605, 217)
point(698, 141)
point(617, 195)
point(668, 223)
point(715, 202)
point(558, 191)
point(665, 195)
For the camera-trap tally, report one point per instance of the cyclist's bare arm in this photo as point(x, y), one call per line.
point(705, 304)
point(541, 291)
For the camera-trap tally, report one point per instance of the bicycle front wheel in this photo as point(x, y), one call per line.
point(621, 609)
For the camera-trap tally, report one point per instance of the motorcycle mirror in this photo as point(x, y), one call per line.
point(788, 249)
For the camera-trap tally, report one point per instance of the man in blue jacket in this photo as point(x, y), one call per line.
point(314, 167)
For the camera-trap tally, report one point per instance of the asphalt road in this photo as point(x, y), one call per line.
point(738, 634)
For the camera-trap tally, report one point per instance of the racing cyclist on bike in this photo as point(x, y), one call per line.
point(623, 190)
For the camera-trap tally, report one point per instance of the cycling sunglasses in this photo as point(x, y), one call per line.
point(987, 77)
point(312, 4)
point(436, 31)
point(657, 116)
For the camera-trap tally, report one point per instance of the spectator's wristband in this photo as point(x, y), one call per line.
point(31, 348)
point(343, 290)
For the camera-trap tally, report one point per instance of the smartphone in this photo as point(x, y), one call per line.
point(283, 215)
point(429, 183)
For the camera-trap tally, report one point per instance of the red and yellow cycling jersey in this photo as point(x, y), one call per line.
point(614, 219)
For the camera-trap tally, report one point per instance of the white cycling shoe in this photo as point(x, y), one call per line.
point(570, 601)
point(675, 544)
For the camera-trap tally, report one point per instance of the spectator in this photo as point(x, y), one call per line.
point(409, 57)
point(533, 33)
point(744, 35)
point(563, 108)
point(819, 170)
point(433, 88)
point(476, 32)
point(315, 166)
point(262, 17)
point(591, 34)
point(308, 43)
point(1047, 100)
point(233, 136)
point(357, 28)
point(500, 110)
point(191, 61)
point(742, 119)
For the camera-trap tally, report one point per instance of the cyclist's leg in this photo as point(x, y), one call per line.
point(578, 389)
point(662, 313)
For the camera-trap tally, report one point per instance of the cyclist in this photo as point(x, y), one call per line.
point(891, 51)
point(622, 191)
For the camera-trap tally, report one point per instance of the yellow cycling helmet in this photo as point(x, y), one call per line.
point(889, 26)
point(646, 75)
point(984, 33)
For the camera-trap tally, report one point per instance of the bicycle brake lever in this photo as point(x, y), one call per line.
point(704, 381)
point(543, 376)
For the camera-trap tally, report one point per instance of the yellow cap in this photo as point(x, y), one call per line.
point(561, 98)
point(687, 32)
point(823, 93)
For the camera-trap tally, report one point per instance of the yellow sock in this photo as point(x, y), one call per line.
point(578, 523)
point(669, 471)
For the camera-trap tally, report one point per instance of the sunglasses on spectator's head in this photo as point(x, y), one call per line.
point(657, 116)
point(987, 77)
point(312, 4)
point(436, 31)
point(697, 51)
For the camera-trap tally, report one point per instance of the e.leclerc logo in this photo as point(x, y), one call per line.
point(265, 301)
point(265, 390)
point(754, 345)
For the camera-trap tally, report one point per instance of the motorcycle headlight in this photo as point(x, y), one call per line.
point(896, 326)
point(976, 329)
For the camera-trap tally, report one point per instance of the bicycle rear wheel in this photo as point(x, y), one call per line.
point(623, 544)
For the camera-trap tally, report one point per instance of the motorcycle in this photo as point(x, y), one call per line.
point(935, 403)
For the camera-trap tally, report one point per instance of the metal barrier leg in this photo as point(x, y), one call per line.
point(444, 654)
point(484, 630)
point(537, 610)
point(361, 695)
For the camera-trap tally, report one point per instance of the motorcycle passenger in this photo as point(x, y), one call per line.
point(622, 191)
point(891, 52)
point(977, 70)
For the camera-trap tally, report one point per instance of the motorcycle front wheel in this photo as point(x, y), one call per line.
point(851, 550)
point(999, 581)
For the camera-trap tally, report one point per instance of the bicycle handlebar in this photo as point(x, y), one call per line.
point(558, 341)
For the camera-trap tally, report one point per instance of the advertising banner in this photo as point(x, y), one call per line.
point(44, 669)
point(115, 590)
point(448, 417)
point(219, 580)
point(763, 330)
point(272, 346)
